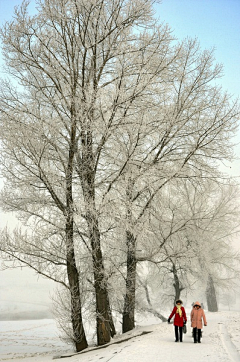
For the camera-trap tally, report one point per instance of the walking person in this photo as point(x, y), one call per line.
point(197, 315)
point(180, 319)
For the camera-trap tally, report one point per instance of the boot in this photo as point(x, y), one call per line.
point(176, 333)
point(195, 335)
point(199, 335)
point(181, 333)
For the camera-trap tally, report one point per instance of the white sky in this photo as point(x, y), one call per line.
point(216, 23)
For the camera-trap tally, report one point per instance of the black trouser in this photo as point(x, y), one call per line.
point(180, 332)
point(196, 334)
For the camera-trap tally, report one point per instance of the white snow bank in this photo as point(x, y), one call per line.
point(19, 339)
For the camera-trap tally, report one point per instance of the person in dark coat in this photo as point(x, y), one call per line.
point(180, 319)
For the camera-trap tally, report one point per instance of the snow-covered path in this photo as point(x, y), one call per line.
point(220, 343)
point(160, 345)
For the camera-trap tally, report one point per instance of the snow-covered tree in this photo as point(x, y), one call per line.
point(187, 128)
point(81, 67)
point(104, 112)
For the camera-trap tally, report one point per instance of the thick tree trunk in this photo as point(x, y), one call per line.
point(211, 295)
point(87, 174)
point(101, 292)
point(176, 284)
point(111, 323)
point(129, 302)
point(72, 272)
point(76, 312)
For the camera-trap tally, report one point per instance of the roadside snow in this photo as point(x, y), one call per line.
point(233, 329)
point(19, 339)
point(37, 341)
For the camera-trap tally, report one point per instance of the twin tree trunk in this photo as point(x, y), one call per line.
point(128, 322)
point(76, 309)
point(72, 272)
point(176, 284)
point(103, 316)
point(211, 295)
point(105, 326)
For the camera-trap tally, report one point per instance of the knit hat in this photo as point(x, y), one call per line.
point(197, 303)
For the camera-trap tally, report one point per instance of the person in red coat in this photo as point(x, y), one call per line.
point(179, 320)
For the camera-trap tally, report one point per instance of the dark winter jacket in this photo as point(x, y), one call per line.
point(178, 321)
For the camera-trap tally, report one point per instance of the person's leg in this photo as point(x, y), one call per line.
point(181, 333)
point(199, 335)
point(176, 333)
point(195, 335)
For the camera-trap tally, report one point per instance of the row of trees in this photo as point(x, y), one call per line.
point(200, 257)
point(111, 137)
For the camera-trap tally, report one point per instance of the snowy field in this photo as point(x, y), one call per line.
point(37, 341)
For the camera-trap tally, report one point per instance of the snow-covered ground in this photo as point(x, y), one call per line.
point(37, 341)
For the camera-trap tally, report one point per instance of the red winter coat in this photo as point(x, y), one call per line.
point(197, 315)
point(178, 321)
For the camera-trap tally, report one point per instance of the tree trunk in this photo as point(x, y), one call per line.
point(76, 312)
point(129, 301)
point(151, 309)
point(72, 272)
point(101, 292)
point(176, 284)
point(87, 175)
point(211, 295)
point(111, 323)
